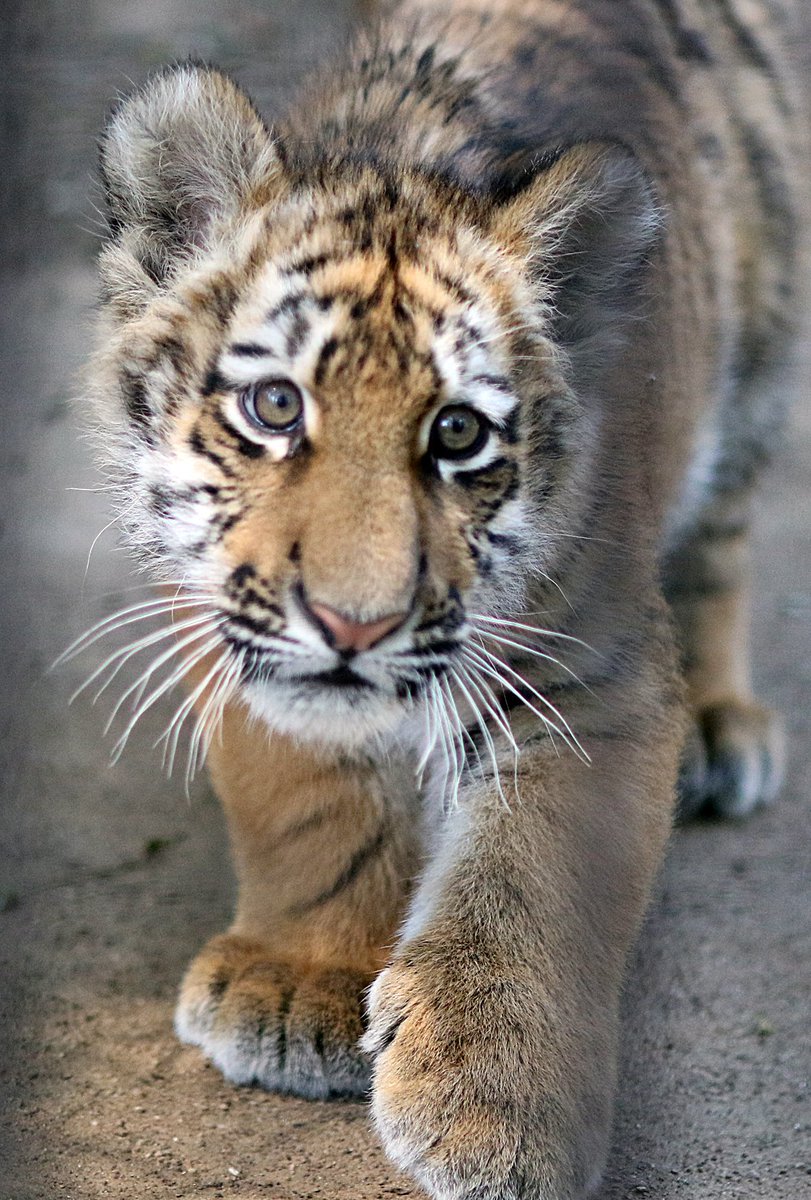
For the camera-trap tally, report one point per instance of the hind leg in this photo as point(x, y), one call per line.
point(733, 759)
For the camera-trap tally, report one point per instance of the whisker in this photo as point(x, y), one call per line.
point(497, 713)
point(485, 734)
point(228, 692)
point(126, 652)
point(431, 735)
point(483, 690)
point(536, 653)
point(454, 749)
point(133, 648)
point(100, 534)
point(460, 726)
point(225, 663)
point(564, 729)
point(534, 629)
point(159, 691)
point(438, 704)
point(118, 620)
point(171, 735)
point(205, 626)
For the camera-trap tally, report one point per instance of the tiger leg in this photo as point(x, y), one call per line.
point(494, 1028)
point(323, 853)
point(734, 754)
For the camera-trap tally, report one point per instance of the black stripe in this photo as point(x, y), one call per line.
point(245, 446)
point(753, 51)
point(213, 382)
point(221, 298)
point(347, 877)
point(328, 352)
point(198, 446)
point(507, 541)
point(224, 523)
point(299, 328)
point(263, 628)
point(689, 43)
point(310, 263)
point(304, 826)
point(241, 574)
point(290, 304)
point(133, 387)
point(486, 478)
point(249, 350)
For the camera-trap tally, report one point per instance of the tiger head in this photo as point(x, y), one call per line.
point(339, 403)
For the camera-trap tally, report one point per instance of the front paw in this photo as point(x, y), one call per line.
point(466, 1097)
point(285, 1028)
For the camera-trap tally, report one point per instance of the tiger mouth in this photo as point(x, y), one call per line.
point(341, 676)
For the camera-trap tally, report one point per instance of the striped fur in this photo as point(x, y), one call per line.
point(579, 221)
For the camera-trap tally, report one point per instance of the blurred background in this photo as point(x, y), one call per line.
point(110, 878)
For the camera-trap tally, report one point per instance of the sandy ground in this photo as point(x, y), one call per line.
point(111, 878)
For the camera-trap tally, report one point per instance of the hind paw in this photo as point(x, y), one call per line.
point(286, 1028)
point(733, 760)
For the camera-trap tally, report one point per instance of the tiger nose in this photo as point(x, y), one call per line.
point(343, 633)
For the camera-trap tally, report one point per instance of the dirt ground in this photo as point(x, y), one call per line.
point(111, 878)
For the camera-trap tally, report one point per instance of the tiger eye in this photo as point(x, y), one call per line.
point(275, 407)
point(458, 432)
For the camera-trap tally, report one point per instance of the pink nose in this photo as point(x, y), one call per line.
point(345, 634)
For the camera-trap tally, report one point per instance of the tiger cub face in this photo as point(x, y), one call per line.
point(317, 395)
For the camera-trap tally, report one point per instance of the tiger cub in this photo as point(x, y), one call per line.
point(435, 413)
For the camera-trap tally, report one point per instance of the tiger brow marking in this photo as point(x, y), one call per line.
point(328, 352)
point(299, 329)
point(249, 350)
point(290, 304)
point(347, 877)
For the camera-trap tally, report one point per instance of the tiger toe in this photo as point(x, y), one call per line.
point(733, 761)
point(282, 1027)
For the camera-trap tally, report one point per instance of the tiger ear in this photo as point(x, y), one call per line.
point(583, 222)
point(179, 159)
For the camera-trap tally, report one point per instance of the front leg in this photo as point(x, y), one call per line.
point(494, 1029)
point(324, 849)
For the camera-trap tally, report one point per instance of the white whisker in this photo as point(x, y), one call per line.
point(454, 748)
point(494, 666)
point(131, 648)
point(490, 700)
point(100, 534)
point(535, 652)
point(118, 620)
point(225, 663)
point(533, 629)
point(171, 735)
point(480, 721)
point(431, 735)
point(205, 626)
point(438, 706)
point(162, 688)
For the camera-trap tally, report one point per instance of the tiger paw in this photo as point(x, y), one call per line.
point(463, 1097)
point(264, 1022)
point(733, 760)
